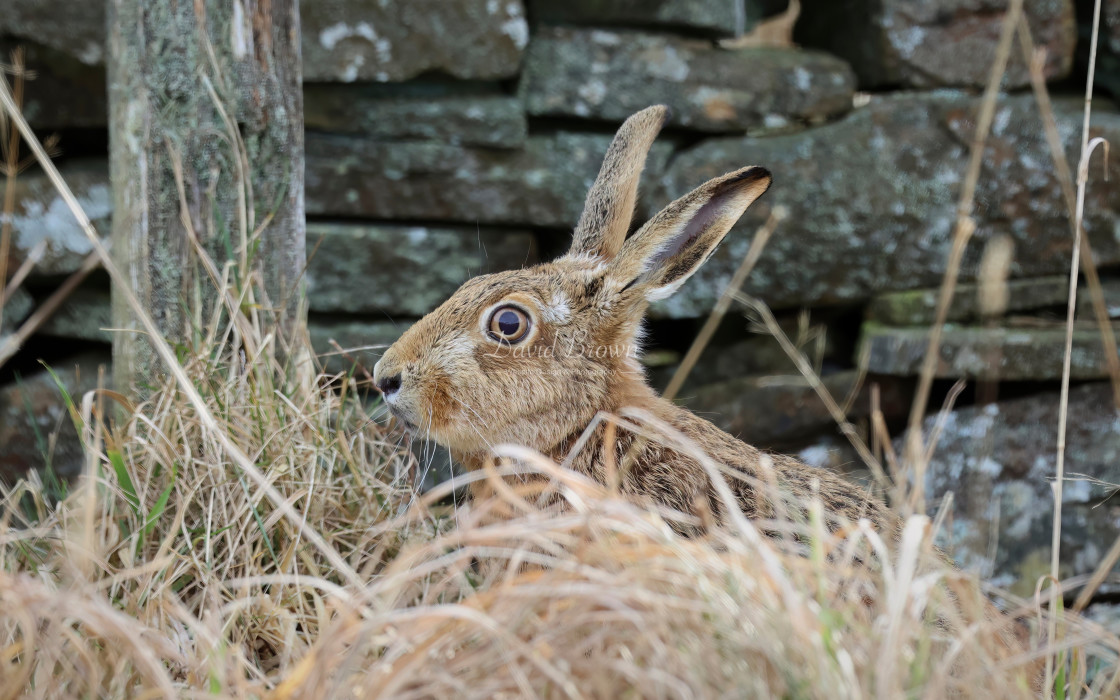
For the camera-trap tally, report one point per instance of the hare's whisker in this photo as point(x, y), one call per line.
point(472, 425)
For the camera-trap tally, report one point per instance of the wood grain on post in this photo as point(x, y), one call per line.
point(206, 140)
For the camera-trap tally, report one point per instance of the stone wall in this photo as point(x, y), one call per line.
point(451, 137)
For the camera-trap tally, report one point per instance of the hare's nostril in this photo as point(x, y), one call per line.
point(390, 385)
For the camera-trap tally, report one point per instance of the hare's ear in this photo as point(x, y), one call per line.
point(672, 245)
point(610, 203)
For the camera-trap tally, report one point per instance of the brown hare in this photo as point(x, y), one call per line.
point(531, 356)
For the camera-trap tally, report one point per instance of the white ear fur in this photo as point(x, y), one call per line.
point(661, 256)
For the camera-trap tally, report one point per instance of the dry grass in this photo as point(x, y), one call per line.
point(166, 572)
point(248, 532)
point(148, 574)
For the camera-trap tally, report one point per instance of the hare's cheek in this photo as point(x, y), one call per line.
point(442, 398)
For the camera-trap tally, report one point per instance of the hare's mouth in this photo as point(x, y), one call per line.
point(403, 419)
point(407, 424)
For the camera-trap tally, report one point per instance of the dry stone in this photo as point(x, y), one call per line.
point(78, 28)
point(352, 40)
point(756, 355)
point(836, 454)
point(710, 17)
point(1105, 613)
point(32, 411)
point(1110, 289)
point(1110, 25)
point(84, 316)
point(469, 120)
point(871, 197)
point(64, 93)
point(41, 215)
point(343, 40)
point(397, 270)
point(542, 185)
point(610, 75)
point(15, 309)
point(999, 462)
point(1008, 354)
point(872, 200)
point(918, 307)
point(362, 342)
point(775, 411)
point(935, 43)
point(402, 270)
point(729, 355)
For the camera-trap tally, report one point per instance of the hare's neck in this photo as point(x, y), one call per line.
point(630, 391)
point(471, 461)
point(582, 450)
point(626, 395)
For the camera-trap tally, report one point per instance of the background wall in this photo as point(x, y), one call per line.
point(452, 137)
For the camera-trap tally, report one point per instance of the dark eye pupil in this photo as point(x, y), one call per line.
point(509, 323)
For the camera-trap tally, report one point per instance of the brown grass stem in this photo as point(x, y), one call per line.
point(11, 172)
point(1071, 308)
point(965, 227)
point(42, 314)
point(700, 342)
point(814, 380)
point(1035, 59)
point(33, 257)
point(163, 349)
point(1104, 568)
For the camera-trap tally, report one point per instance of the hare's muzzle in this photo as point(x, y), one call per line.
point(389, 385)
point(388, 377)
point(389, 380)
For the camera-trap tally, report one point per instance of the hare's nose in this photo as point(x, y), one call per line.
point(389, 385)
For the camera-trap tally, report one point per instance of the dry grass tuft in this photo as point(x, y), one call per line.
point(247, 532)
point(164, 571)
point(164, 566)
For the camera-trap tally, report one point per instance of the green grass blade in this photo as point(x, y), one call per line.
point(124, 481)
point(160, 504)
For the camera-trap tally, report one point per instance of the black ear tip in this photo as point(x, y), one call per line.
point(748, 178)
point(755, 173)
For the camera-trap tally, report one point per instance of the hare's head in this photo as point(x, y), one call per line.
point(529, 356)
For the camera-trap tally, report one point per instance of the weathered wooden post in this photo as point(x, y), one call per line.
point(206, 141)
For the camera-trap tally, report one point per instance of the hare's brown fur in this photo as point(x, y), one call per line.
point(451, 381)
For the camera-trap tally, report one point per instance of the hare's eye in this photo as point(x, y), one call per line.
point(509, 324)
